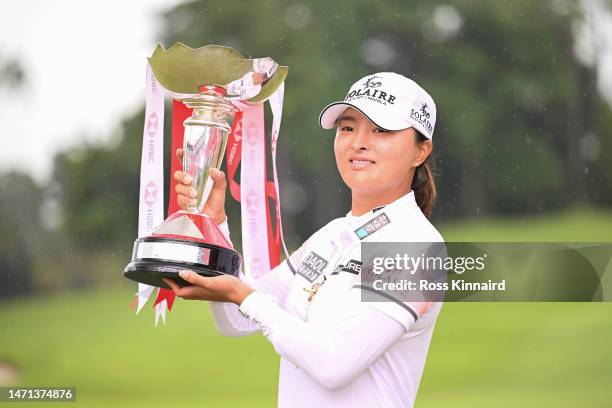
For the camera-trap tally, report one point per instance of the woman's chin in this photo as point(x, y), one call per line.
point(364, 185)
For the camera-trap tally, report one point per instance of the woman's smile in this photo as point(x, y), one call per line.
point(360, 163)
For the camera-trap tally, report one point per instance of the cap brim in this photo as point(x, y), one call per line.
point(329, 116)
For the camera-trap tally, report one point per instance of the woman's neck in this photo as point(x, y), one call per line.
point(364, 203)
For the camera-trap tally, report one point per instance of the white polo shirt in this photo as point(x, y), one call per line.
point(335, 349)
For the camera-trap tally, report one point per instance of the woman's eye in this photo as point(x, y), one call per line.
point(380, 130)
point(346, 129)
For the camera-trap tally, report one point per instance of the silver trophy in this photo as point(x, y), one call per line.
point(206, 80)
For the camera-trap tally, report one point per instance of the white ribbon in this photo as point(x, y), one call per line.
point(255, 250)
point(150, 204)
point(276, 104)
point(253, 192)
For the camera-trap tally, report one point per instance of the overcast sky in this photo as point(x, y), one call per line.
point(85, 64)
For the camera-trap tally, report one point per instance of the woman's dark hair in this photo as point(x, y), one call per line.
point(423, 183)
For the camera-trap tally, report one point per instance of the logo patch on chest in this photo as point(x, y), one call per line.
point(312, 266)
point(351, 266)
point(372, 226)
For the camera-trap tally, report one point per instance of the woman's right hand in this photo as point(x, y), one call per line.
point(215, 206)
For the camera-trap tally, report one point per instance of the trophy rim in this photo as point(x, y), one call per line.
point(208, 65)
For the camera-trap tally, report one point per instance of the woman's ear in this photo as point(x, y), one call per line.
point(423, 151)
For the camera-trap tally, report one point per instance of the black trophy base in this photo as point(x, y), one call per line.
point(153, 272)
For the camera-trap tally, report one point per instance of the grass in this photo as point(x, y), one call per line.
point(482, 354)
point(582, 224)
point(94, 342)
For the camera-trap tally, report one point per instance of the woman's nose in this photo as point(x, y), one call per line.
point(361, 140)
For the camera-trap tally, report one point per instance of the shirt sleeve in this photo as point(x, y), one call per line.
point(334, 353)
point(406, 306)
point(275, 283)
point(403, 312)
point(228, 319)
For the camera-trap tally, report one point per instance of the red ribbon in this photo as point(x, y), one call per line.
point(233, 156)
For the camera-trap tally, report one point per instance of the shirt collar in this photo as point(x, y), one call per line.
point(406, 200)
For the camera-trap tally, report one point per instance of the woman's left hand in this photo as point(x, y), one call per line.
point(223, 288)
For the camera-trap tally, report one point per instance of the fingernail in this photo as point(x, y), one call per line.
point(183, 273)
point(193, 193)
point(187, 179)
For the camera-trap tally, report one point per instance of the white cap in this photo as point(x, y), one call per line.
point(391, 101)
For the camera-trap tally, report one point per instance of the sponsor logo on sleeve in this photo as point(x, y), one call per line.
point(312, 266)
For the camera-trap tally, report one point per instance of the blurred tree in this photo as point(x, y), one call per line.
point(22, 236)
point(514, 102)
point(98, 189)
point(19, 209)
point(514, 106)
point(12, 73)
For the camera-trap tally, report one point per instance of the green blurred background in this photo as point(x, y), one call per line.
point(523, 149)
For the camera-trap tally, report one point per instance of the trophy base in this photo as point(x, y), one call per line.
point(183, 241)
point(152, 272)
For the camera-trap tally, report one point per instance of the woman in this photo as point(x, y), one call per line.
point(335, 349)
